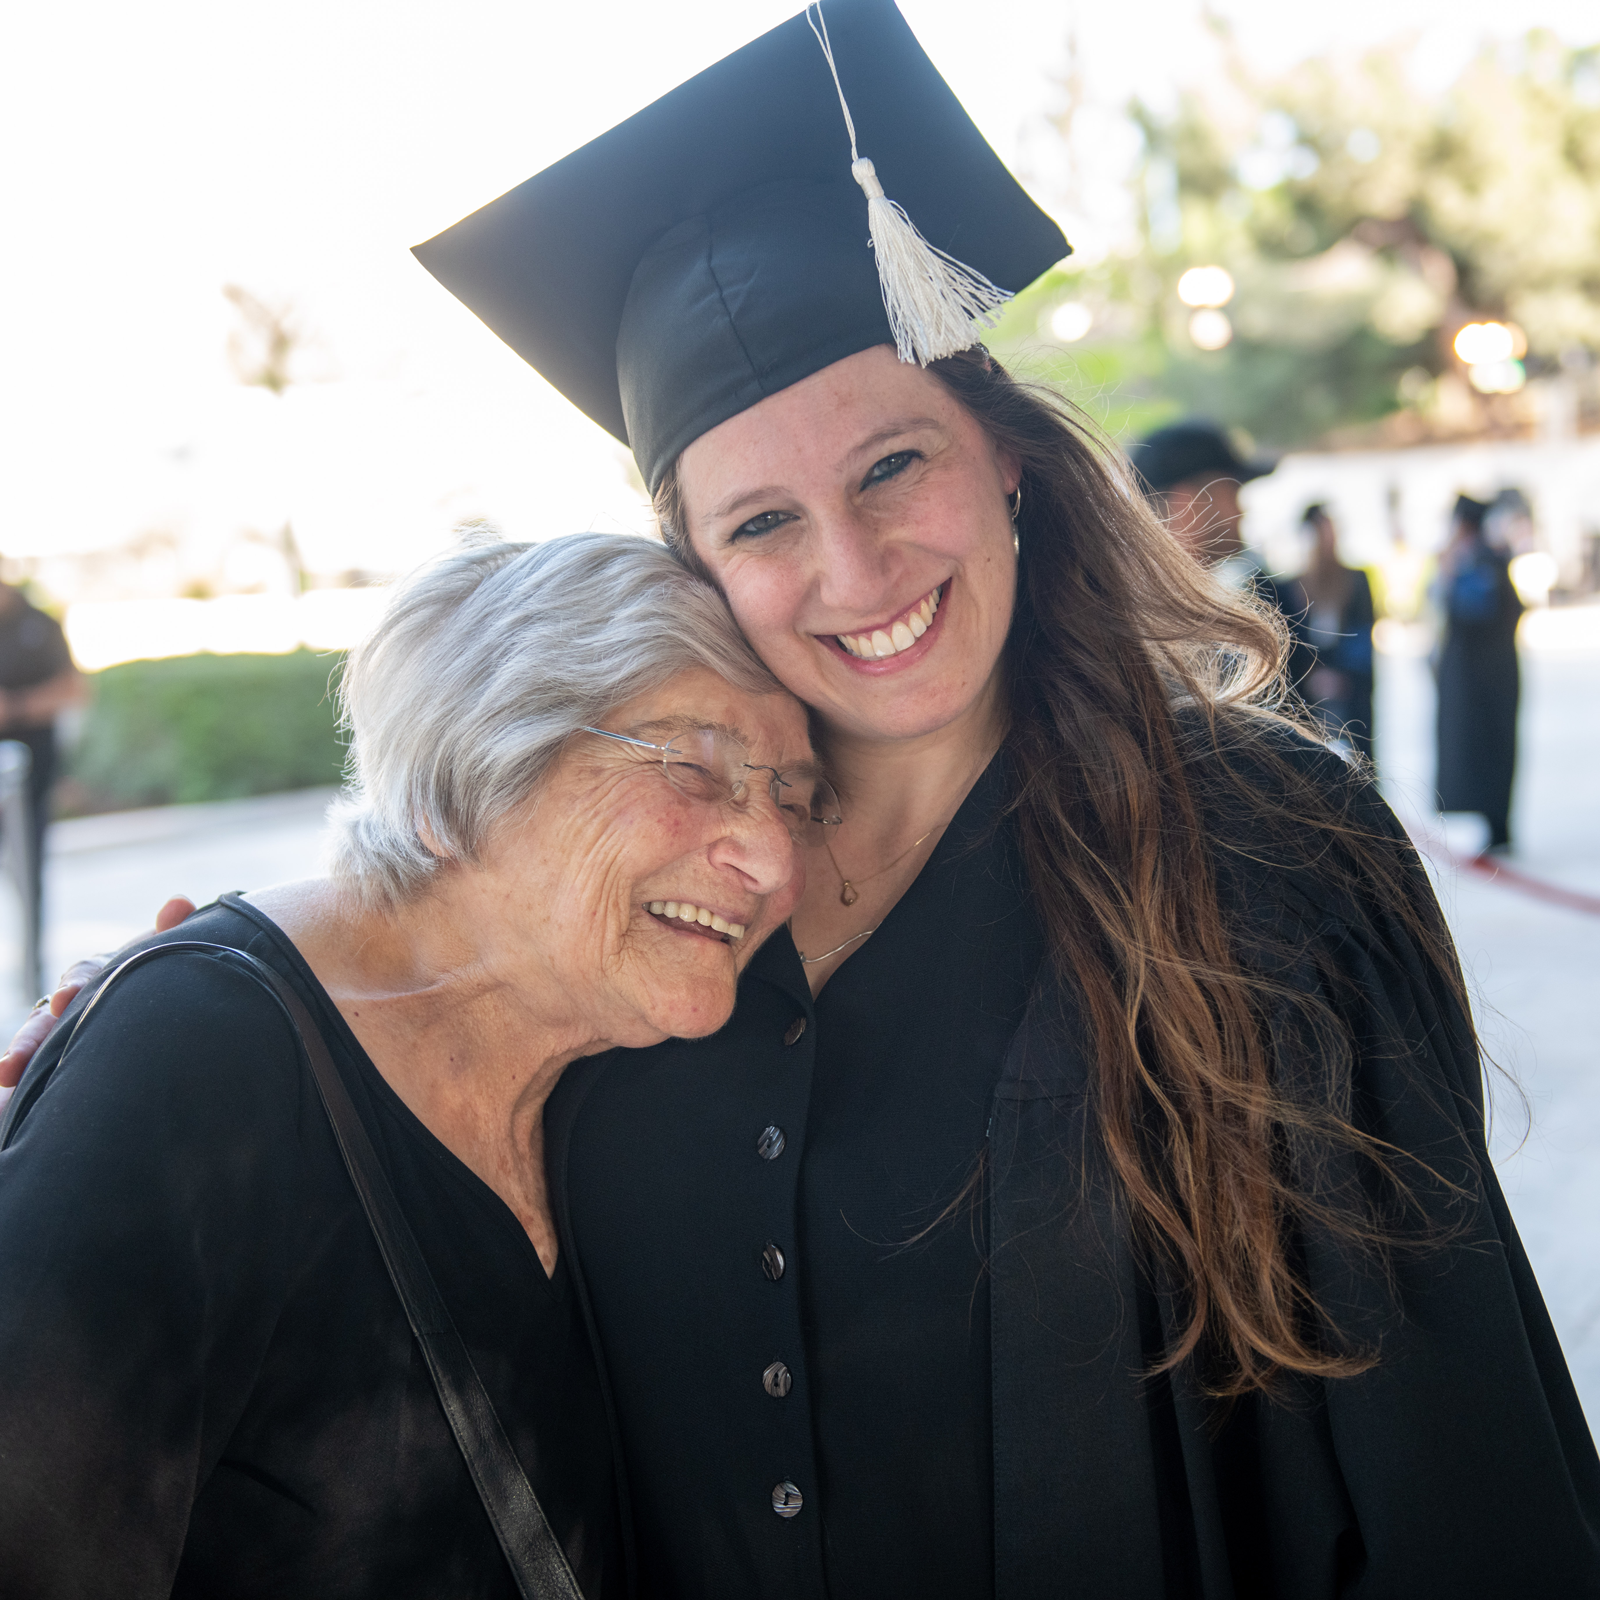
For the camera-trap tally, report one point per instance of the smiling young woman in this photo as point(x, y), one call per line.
point(1102, 1196)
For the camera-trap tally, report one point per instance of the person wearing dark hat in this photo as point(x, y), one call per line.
point(1338, 625)
point(1478, 675)
point(1089, 1190)
point(1191, 474)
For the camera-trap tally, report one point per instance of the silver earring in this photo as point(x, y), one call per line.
point(1014, 504)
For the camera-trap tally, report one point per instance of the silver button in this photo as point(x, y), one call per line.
point(772, 1262)
point(770, 1145)
point(791, 1035)
point(777, 1380)
point(787, 1499)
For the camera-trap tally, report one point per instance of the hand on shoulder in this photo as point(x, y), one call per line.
point(43, 1018)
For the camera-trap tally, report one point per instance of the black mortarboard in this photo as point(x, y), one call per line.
point(1470, 511)
point(1186, 450)
point(714, 249)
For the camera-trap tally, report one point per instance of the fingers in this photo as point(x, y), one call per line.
point(42, 1019)
point(20, 1051)
point(176, 910)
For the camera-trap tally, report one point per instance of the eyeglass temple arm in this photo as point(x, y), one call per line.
point(622, 738)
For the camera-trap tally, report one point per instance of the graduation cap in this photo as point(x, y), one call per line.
point(738, 235)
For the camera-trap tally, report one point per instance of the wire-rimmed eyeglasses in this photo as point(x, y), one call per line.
point(709, 765)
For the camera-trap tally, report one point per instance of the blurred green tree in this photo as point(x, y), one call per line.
point(1363, 224)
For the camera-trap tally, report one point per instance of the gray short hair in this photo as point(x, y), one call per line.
point(485, 662)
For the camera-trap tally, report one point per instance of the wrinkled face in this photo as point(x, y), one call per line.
point(607, 836)
point(857, 523)
point(1203, 515)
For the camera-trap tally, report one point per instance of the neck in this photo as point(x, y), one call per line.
point(894, 787)
point(898, 794)
point(472, 1054)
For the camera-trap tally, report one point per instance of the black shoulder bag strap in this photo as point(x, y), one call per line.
point(532, 1550)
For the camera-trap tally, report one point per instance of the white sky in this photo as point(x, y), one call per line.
point(156, 152)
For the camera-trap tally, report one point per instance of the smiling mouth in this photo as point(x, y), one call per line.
point(898, 635)
point(697, 919)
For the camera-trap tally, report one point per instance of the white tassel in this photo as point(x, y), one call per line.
point(932, 299)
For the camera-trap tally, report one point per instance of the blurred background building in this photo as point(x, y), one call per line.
point(1366, 239)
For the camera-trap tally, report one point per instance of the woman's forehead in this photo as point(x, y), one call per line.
point(771, 725)
point(830, 415)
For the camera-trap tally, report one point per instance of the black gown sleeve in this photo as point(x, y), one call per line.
point(147, 1201)
point(1464, 1464)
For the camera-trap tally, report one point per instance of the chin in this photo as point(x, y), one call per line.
point(702, 1008)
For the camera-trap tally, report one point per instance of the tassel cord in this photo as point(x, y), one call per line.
point(932, 300)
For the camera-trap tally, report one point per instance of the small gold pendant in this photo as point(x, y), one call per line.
point(848, 895)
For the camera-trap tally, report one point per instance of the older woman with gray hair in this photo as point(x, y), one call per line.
point(572, 814)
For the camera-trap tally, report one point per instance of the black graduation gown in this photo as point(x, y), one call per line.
point(1460, 1466)
point(1479, 686)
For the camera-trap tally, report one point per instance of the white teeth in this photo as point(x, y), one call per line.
point(700, 915)
point(878, 644)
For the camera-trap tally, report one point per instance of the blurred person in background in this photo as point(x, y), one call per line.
point(1477, 672)
point(571, 819)
point(1338, 627)
point(38, 681)
point(1191, 474)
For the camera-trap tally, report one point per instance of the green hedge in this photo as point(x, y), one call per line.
point(204, 728)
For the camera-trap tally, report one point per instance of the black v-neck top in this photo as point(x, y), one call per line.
point(848, 1254)
point(207, 1384)
point(911, 1034)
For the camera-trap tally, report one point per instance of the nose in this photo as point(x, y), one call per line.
point(853, 575)
point(756, 842)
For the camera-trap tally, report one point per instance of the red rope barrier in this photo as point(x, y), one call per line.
point(1553, 894)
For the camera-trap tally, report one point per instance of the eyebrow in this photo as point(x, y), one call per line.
point(893, 431)
point(747, 497)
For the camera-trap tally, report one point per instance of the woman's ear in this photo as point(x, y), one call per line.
point(430, 843)
point(1010, 469)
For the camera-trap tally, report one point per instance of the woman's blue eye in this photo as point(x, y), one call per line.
point(890, 467)
point(756, 526)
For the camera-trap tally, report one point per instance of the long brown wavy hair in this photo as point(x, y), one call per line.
point(1129, 672)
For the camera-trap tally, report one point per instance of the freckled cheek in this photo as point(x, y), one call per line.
point(766, 613)
point(651, 836)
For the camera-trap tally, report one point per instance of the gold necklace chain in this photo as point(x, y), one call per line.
point(848, 894)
